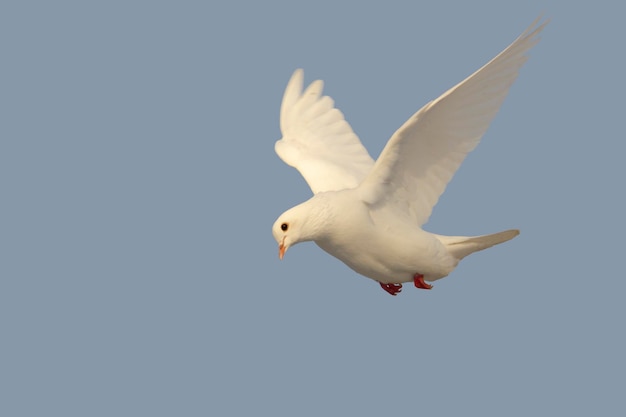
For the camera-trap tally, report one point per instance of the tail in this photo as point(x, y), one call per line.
point(461, 246)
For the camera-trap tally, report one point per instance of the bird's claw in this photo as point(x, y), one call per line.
point(392, 289)
point(418, 280)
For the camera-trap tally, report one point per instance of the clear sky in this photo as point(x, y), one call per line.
point(139, 184)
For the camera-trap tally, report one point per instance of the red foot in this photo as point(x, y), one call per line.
point(418, 280)
point(392, 289)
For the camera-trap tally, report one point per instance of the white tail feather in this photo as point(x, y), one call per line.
point(461, 246)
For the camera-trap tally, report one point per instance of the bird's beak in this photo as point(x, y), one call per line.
point(281, 249)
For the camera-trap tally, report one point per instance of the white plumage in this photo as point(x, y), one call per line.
point(369, 214)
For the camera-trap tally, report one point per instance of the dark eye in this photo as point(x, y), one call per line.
point(284, 227)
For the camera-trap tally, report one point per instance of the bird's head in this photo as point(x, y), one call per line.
point(286, 231)
point(298, 224)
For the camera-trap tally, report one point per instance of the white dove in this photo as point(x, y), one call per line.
point(370, 214)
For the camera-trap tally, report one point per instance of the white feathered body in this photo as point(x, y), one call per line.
point(382, 245)
point(370, 214)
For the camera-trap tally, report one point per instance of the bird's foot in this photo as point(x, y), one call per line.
point(418, 280)
point(392, 289)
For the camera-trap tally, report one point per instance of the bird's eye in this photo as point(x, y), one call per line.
point(284, 227)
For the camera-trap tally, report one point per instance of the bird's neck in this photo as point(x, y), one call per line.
point(319, 217)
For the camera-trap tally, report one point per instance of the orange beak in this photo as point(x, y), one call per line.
point(281, 249)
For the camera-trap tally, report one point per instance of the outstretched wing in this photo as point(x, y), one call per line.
point(317, 140)
point(422, 156)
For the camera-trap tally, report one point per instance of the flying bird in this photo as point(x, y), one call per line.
point(369, 214)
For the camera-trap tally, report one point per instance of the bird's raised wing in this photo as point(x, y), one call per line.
point(422, 156)
point(317, 140)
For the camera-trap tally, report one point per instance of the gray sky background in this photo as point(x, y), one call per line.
point(139, 184)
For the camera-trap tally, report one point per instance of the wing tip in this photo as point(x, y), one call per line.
point(292, 93)
point(534, 29)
